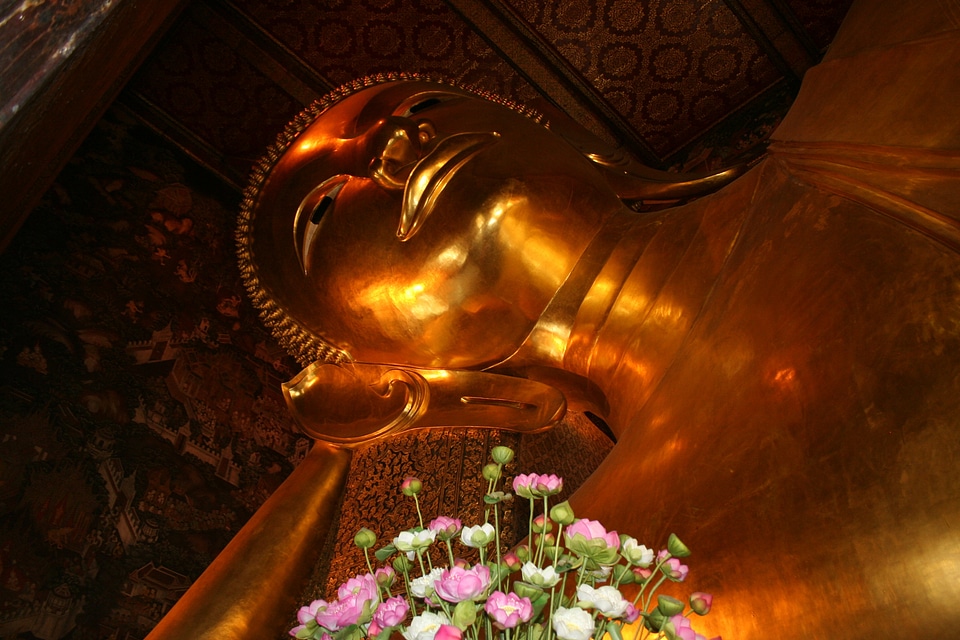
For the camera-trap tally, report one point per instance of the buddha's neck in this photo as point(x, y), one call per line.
point(622, 316)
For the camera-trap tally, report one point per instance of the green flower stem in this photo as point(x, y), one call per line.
point(450, 552)
point(553, 606)
point(582, 573)
point(556, 546)
point(416, 501)
point(423, 571)
point(647, 581)
point(382, 592)
point(530, 531)
point(649, 597)
point(543, 534)
point(496, 526)
point(406, 582)
point(563, 590)
point(366, 556)
point(491, 487)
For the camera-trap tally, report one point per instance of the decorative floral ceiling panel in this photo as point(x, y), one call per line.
point(658, 77)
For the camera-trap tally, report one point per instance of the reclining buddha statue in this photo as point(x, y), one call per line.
point(779, 361)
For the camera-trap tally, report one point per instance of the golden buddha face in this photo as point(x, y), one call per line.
point(418, 224)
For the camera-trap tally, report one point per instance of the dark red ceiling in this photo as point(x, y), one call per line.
point(653, 75)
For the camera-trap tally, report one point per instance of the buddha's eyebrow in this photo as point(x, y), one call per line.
point(310, 214)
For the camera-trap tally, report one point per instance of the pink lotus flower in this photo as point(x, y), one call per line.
point(523, 484)
point(682, 629)
point(388, 614)
point(547, 485)
point(535, 485)
point(508, 609)
point(632, 614)
point(340, 614)
point(355, 594)
point(310, 611)
point(448, 632)
point(456, 584)
point(445, 528)
point(674, 570)
point(364, 585)
point(592, 530)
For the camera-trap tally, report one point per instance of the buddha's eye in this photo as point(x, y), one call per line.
point(310, 214)
point(320, 209)
point(423, 104)
point(419, 104)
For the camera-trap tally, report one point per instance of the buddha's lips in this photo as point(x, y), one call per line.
point(432, 173)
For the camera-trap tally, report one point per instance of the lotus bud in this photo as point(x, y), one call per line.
point(701, 602)
point(512, 561)
point(540, 524)
point(491, 472)
point(523, 552)
point(502, 455)
point(365, 539)
point(676, 548)
point(548, 540)
point(562, 513)
point(401, 564)
point(411, 486)
point(464, 614)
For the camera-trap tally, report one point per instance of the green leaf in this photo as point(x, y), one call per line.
point(304, 634)
point(385, 552)
point(351, 632)
point(539, 603)
point(606, 556)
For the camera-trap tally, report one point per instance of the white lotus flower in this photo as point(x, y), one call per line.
point(607, 600)
point(477, 536)
point(571, 624)
point(533, 574)
point(425, 626)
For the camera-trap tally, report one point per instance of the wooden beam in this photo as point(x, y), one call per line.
point(58, 105)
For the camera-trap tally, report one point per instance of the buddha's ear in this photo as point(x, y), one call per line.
point(351, 404)
point(631, 179)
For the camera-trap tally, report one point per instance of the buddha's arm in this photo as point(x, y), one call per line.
point(250, 589)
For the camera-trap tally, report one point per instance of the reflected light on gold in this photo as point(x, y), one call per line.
point(666, 313)
point(785, 377)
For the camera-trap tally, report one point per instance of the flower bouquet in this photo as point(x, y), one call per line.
point(556, 586)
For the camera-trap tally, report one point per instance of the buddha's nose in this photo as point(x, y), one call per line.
point(394, 145)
